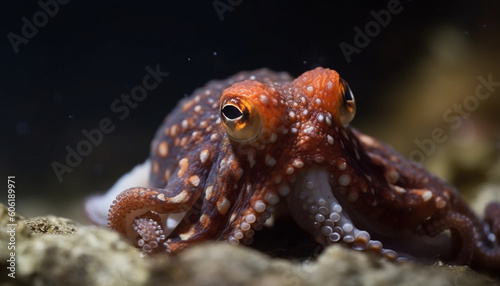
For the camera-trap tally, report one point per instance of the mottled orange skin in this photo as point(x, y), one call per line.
point(229, 188)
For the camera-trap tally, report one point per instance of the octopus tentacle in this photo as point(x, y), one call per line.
point(492, 218)
point(487, 251)
point(326, 219)
point(461, 224)
point(256, 209)
point(150, 232)
point(216, 201)
point(167, 206)
point(97, 206)
point(136, 202)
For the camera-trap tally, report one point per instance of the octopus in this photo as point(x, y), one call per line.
point(228, 156)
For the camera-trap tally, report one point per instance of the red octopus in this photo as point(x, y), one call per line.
point(226, 156)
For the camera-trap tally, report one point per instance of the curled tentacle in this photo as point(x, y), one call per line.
point(150, 232)
point(136, 202)
point(487, 251)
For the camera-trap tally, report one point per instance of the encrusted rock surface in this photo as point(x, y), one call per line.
point(59, 251)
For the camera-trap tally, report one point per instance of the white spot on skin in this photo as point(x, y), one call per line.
point(213, 137)
point(321, 117)
point(329, 85)
point(188, 234)
point(225, 161)
point(204, 156)
point(264, 99)
point(289, 170)
point(330, 140)
point(184, 141)
point(163, 149)
point(223, 206)
point(173, 130)
point(328, 119)
point(310, 88)
point(209, 193)
point(232, 218)
point(204, 220)
point(427, 195)
point(185, 124)
point(440, 203)
point(194, 180)
point(180, 198)
point(195, 134)
point(197, 108)
point(183, 165)
point(367, 140)
point(297, 163)
point(399, 190)
point(309, 130)
point(344, 180)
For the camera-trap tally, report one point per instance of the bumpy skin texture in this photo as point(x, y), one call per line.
point(226, 156)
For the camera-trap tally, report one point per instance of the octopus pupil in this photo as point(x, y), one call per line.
point(348, 96)
point(231, 112)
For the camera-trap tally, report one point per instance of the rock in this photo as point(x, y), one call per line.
point(58, 251)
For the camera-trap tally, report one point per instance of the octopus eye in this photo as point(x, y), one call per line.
point(348, 105)
point(231, 112)
point(241, 120)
